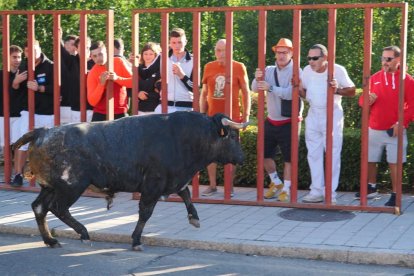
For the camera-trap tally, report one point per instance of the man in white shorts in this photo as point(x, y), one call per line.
point(42, 85)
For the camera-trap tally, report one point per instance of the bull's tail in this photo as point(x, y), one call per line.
point(28, 137)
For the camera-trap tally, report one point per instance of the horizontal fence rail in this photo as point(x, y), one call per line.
point(228, 12)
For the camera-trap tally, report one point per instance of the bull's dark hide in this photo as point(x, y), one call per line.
point(155, 155)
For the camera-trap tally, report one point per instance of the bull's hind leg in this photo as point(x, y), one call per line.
point(192, 212)
point(146, 207)
point(40, 209)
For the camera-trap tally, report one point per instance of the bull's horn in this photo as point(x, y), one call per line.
point(228, 122)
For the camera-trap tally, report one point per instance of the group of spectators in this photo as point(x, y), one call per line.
point(276, 81)
point(313, 87)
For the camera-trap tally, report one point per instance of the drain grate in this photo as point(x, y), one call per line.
point(311, 215)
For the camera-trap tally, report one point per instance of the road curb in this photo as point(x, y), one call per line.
point(316, 252)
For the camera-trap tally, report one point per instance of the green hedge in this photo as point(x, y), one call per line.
point(350, 165)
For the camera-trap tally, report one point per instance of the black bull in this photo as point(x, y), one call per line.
point(155, 155)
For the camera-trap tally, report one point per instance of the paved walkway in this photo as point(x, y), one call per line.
point(376, 238)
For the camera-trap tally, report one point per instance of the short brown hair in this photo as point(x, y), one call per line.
point(395, 49)
point(177, 32)
point(15, 49)
point(97, 44)
point(70, 37)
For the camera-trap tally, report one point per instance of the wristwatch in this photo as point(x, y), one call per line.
point(270, 88)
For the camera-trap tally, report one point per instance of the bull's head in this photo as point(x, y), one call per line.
point(229, 150)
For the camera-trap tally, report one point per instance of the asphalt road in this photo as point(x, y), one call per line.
point(24, 255)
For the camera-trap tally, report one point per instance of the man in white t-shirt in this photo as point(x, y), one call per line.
point(314, 87)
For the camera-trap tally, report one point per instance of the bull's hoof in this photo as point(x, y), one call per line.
point(54, 244)
point(194, 222)
point(138, 248)
point(87, 243)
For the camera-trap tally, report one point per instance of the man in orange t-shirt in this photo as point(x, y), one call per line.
point(97, 79)
point(213, 100)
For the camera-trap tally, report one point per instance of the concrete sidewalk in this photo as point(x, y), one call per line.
point(370, 238)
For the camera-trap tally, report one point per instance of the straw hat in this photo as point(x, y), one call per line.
point(283, 42)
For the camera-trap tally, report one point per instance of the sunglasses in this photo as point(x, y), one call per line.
point(387, 59)
point(313, 58)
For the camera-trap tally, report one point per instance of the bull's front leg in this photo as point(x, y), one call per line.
point(146, 207)
point(70, 221)
point(192, 212)
point(40, 209)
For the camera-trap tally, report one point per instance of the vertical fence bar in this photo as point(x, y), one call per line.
point(330, 103)
point(196, 59)
point(164, 61)
point(6, 96)
point(228, 169)
point(403, 69)
point(30, 66)
point(30, 73)
point(294, 159)
point(196, 81)
point(83, 58)
point(135, 52)
point(365, 108)
point(110, 64)
point(56, 68)
point(260, 106)
point(135, 74)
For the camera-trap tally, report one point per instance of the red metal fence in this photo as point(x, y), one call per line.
point(262, 19)
point(57, 70)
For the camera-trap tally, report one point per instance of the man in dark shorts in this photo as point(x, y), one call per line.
point(277, 81)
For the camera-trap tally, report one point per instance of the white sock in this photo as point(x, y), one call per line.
point(373, 185)
point(286, 187)
point(275, 178)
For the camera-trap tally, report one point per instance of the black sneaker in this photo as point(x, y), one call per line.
point(391, 201)
point(371, 193)
point(17, 181)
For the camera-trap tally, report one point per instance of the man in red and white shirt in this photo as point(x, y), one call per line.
point(383, 118)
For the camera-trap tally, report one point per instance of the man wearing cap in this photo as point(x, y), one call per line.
point(277, 128)
point(314, 87)
point(213, 99)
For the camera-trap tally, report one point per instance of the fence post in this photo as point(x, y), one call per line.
point(260, 104)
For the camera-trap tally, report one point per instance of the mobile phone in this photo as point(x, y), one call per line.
point(390, 132)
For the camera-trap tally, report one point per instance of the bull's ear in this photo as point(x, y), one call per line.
point(221, 130)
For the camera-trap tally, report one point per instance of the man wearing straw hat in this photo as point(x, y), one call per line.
point(277, 128)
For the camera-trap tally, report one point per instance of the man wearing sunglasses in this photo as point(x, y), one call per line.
point(314, 87)
point(383, 118)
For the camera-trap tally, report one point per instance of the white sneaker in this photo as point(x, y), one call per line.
point(309, 198)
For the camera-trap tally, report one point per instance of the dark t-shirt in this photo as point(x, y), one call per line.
point(17, 98)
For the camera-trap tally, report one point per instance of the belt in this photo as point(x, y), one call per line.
point(180, 104)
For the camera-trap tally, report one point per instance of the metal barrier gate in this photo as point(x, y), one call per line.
point(229, 11)
point(262, 17)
